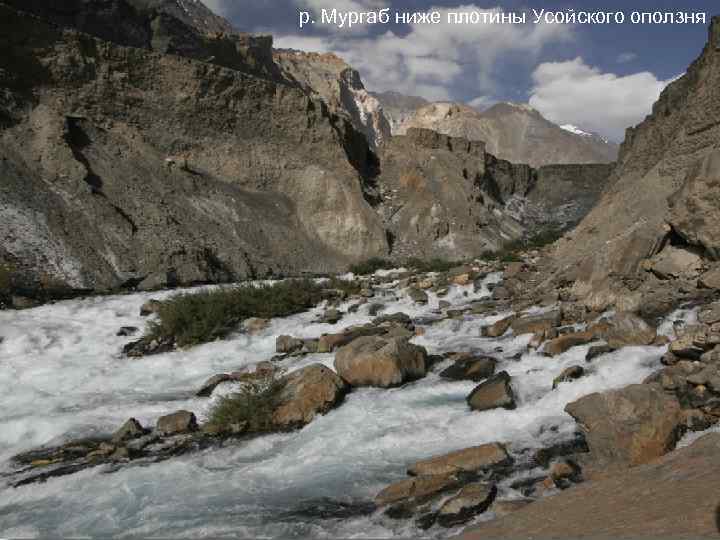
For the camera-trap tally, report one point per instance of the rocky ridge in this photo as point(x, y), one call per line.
point(513, 132)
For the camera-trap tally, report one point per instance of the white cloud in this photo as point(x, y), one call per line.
point(624, 58)
point(574, 93)
point(431, 58)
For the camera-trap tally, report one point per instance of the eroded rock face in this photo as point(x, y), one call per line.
point(230, 160)
point(673, 149)
point(375, 361)
point(630, 426)
point(307, 393)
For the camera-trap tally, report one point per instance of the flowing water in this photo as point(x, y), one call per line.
point(62, 377)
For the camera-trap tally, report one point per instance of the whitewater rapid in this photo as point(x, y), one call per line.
point(62, 377)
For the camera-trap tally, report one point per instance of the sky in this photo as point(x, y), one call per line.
point(602, 78)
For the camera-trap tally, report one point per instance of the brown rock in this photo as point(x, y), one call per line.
point(710, 279)
point(374, 361)
point(569, 374)
point(288, 344)
point(331, 342)
point(129, 430)
point(476, 458)
point(308, 392)
point(710, 314)
point(472, 500)
point(565, 342)
point(494, 393)
point(629, 426)
point(177, 422)
point(536, 324)
point(628, 329)
point(416, 487)
point(498, 328)
point(473, 368)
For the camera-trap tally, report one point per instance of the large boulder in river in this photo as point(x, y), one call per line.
point(494, 393)
point(306, 393)
point(565, 342)
point(375, 361)
point(477, 458)
point(177, 422)
point(629, 426)
point(417, 487)
point(626, 329)
point(470, 368)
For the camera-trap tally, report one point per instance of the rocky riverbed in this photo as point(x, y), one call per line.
point(455, 412)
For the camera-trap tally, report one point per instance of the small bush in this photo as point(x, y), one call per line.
point(253, 404)
point(191, 319)
point(348, 287)
point(5, 278)
point(511, 252)
point(371, 266)
point(435, 264)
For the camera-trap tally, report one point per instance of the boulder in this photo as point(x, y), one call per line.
point(472, 368)
point(569, 374)
point(473, 500)
point(418, 295)
point(375, 361)
point(627, 329)
point(501, 293)
point(151, 307)
point(691, 343)
point(177, 422)
point(710, 314)
point(330, 342)
point(288, 344)
point(675, 262)
point(474, 459)
point(498, 328)
point(493, 393)
point(596, 351)
point(331, 316)
point(417, 487)
point(129, 430)
point(565, 342)
point(629, 426)
point(565, 471)
point(536, 324)
point(710, 279)
point(307, 392)
point(126, 331)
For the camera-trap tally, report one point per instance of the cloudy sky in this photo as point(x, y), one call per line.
point(602, 78)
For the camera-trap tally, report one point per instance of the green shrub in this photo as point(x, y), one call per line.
point(348, 287)
point(510, 252)
point(436, 264)
point(253, 405)
point(5, 278)
point(371, 266)
point(191, 319)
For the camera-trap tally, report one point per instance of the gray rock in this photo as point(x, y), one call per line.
point(473, 368)
point(176, 423)
point(129, 430)
point(472, 501)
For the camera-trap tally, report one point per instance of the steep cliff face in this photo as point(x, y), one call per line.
point(514, 132)
point(398, 108)
point(122, 165)
point(434, 200)
point(328, 77)
point(659, 156)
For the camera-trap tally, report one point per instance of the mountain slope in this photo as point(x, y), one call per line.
point(513, 132)
point(674, 148)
